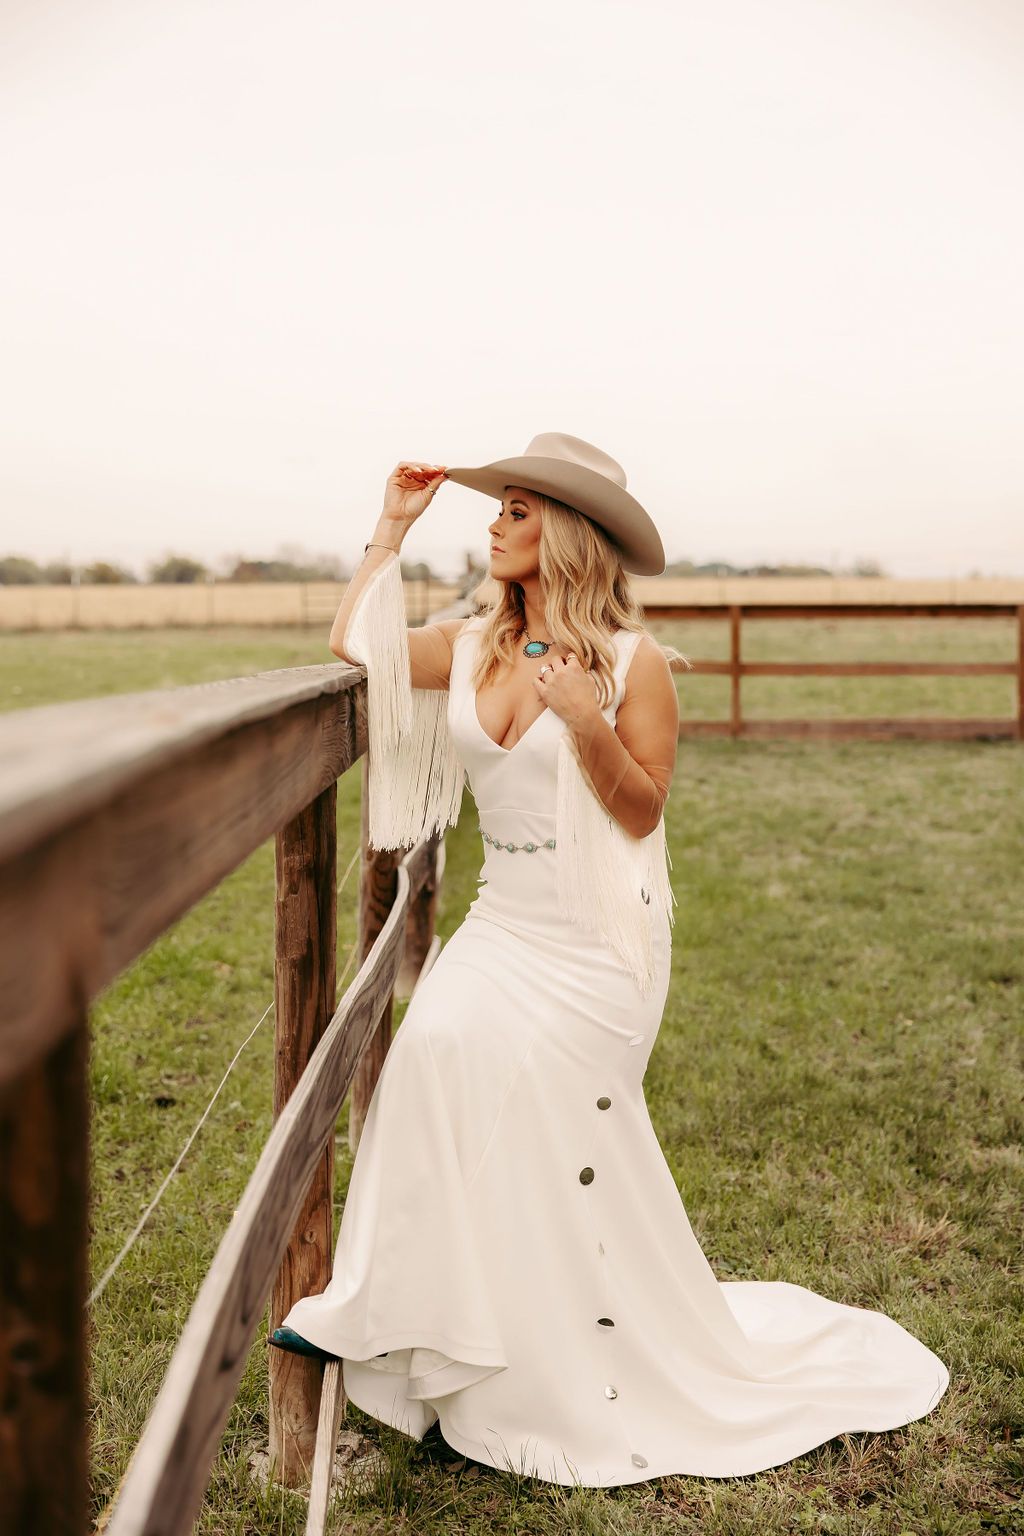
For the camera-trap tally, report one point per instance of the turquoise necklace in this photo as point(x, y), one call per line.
point(535, 647)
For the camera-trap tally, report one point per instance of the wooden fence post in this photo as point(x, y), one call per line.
point(1020, 672)
point(735, 719)
point(304, 992)
point(44, 1254)
point(420, 927)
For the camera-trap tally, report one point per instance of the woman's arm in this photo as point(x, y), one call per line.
point(390, 530)
point(630, 766)
point(415, 778)
point(409, 487)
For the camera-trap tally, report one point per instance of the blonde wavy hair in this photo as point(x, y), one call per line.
point(587, 595)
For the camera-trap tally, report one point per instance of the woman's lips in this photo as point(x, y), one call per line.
point(496, 551)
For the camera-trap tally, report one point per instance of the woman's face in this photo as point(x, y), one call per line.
point(515, 535)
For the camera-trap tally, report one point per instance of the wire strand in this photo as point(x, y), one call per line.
point(133, 1237)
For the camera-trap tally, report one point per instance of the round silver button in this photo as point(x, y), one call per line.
point(636, 1040)
point(638, 1460)
point(610, 1391)
point(586, 1175)
point(645, 895)
point(604, 1101)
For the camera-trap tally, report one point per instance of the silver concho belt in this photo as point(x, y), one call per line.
point(515, 847)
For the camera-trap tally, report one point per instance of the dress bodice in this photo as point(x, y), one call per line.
point(522, 777)
point(516, 795)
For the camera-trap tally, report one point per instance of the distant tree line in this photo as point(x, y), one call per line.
point(19, 571)
point(724, 568)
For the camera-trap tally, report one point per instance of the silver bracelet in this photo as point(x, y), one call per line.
point(372, 545)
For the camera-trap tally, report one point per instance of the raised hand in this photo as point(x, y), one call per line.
point(411, 488)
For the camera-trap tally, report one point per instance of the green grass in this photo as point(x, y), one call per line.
point(837, 1085)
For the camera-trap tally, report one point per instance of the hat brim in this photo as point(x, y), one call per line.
point(627, 524)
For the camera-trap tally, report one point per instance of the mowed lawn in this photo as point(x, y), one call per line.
point(837, 1084)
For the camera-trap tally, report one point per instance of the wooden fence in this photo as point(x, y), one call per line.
point(736, 668)
point(116, 816)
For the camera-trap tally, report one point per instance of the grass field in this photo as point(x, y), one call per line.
point(837, 1085)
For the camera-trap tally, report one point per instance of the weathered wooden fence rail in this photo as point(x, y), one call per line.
point(116, 816)
point(915, 727)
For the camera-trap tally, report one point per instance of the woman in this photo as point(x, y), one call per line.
point(514, 1261)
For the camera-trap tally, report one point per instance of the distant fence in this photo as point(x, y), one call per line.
point(1010, 727)
point(314, 603)
point(195, 605)
point(731, 599)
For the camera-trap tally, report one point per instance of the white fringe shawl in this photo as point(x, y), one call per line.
point(416, 782)
point(608, 879)
point(415, 776)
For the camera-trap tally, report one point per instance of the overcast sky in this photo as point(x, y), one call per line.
point(765, 253)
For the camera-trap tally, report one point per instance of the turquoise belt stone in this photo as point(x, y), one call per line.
point(515, 847)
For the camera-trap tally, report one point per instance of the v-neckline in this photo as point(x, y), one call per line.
point(507, 751)
point(497, 744)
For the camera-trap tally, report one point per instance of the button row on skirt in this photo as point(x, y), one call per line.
point(587, 1177)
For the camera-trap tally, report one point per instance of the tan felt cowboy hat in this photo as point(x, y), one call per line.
point(579, 474)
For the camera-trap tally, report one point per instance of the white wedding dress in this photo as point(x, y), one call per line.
point(514, 1260)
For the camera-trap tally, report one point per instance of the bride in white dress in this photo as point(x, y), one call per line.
point(514, 1261)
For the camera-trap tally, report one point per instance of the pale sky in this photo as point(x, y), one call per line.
point(766, 253)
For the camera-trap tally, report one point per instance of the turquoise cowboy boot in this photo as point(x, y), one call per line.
point(287, 1338)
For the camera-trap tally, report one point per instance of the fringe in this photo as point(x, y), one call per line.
point(416, 778)
point(603, 871)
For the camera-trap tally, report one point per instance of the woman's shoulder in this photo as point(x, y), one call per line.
point(642, 662)
point(453, 628)
point(628, 640)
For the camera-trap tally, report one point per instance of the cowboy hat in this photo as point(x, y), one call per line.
point(588, 480)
